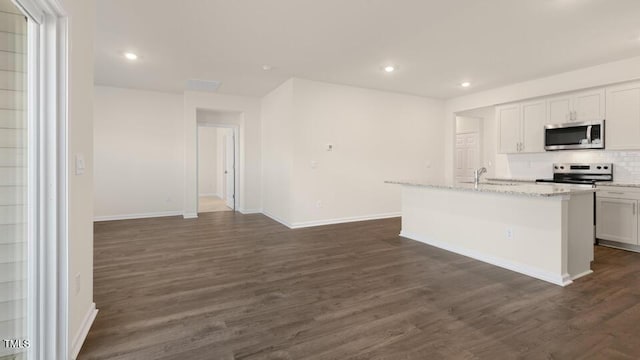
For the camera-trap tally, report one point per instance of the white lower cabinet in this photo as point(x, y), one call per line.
point(617, 215)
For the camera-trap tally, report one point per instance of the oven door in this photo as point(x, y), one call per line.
point(578, 135)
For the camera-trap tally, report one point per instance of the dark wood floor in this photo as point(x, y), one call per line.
point(230, 286)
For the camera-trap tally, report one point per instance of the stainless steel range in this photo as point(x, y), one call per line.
point(580, 174)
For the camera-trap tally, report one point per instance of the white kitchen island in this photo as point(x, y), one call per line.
point(541, 230)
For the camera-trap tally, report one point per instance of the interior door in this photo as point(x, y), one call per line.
point(230, 178)
point(467, 156)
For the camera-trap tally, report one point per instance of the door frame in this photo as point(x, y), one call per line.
point(236, 174)
point(47, 194)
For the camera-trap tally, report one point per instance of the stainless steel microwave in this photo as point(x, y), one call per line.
point(574, 136)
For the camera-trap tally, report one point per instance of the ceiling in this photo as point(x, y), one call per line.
point(435, 44)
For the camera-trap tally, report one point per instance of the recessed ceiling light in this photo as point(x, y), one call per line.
point(131, 56)
point(389, 68)
point(465, 84)
point(267, 67)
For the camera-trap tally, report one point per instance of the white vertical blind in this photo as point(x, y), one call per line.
point(13, 176)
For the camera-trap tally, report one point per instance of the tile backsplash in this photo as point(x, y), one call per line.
point(626, 164)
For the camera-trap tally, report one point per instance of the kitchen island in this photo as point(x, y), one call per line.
point(541, 230)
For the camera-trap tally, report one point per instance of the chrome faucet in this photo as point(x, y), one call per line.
point(477, 174)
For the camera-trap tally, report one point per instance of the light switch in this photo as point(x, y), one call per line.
point(79, 164)
point(329, 147)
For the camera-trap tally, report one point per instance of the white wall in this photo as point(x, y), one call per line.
point(208, 161)
point(138, 153)
point(220, 180)
point(468, 124)
point(277, 152)
point(600, 75)
point(13, 176)
point(376, 135)
point(81, 27)
point(249, 169)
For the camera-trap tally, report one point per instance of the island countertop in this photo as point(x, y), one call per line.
point(515, 188)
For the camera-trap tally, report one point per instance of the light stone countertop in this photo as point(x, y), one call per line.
point(512, 180)
point(514, 188)
point(619, 184)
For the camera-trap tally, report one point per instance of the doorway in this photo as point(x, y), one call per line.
point(216, 168)
point(467, 155)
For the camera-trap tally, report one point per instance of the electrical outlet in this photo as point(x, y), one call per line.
point(509, 234)
point(319, 204)
point(78, 283)
point(314, 164)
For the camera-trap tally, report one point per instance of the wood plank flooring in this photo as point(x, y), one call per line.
point(231, 286)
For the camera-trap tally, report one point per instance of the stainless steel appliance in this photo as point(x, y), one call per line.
point(581, 174)
point(574, 136)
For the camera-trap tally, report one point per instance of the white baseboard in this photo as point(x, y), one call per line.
point(273, 217)
point(137, 216)
point(578, 276)
point(313, 223)
point(250, 211)
point(190, 215)
point(305, 224)
point(562, 280)
point(81, 336)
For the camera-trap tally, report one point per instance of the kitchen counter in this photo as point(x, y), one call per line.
point(512, 180)
point(513, 188)
point(540, 230)
point(618, 184)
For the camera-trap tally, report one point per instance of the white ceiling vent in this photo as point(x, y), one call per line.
point(203, 85)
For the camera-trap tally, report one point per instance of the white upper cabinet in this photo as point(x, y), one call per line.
point(521, 127)
point(623, 117)
point(589, 105)
point(534, 118)
point(560, 110)
point(509, 130)
point(586, 105)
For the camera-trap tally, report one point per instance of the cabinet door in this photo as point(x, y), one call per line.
point(534, 118)
point(559, 109)
point(623, 117)
point(589, 105)
point(508, 120)
point(617, 220)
